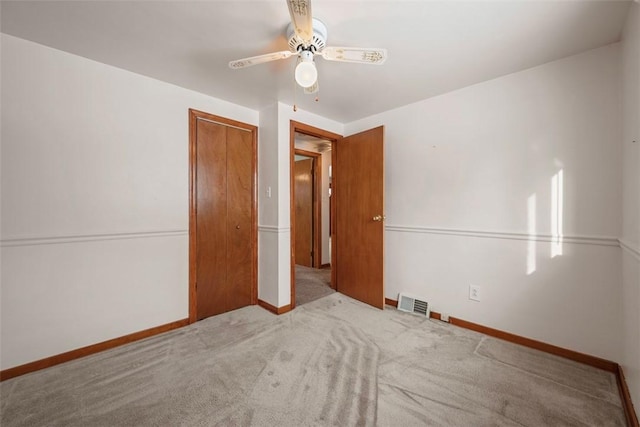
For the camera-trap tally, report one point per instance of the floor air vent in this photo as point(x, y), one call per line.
point(412, 304)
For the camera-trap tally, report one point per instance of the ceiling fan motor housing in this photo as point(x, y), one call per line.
point(318, 42)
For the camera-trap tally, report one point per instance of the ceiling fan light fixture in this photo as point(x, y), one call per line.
point(307, 37)
point(306, 73)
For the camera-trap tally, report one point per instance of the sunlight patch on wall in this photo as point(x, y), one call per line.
point(557, 201)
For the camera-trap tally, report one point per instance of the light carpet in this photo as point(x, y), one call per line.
point(311, 284)
point(334, 361)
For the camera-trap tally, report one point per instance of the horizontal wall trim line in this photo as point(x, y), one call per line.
point(273, 229)
point(629, 247)
point(585, 240)
point(34, 241)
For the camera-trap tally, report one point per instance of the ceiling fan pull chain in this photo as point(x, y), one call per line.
point(295, 107)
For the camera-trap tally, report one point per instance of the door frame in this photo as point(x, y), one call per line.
point(194, 116)
point(334, 138)
point(315, 209)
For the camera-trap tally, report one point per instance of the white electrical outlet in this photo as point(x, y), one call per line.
point(444, 317)
point(474, 293)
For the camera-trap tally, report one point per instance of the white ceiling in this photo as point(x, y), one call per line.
point(434, 46)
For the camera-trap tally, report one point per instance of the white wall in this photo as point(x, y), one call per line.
point(630, 239)
point(268, 230)
point(462, 173)
point(94, 200)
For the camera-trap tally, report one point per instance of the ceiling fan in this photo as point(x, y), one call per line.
point(307, 37)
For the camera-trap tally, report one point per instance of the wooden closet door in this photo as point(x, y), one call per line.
point(239, 219)
point(211, 222)
point(224, 220)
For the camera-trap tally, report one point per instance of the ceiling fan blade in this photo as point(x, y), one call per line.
point(300, 11)
point(260, 59)
point(355, 54)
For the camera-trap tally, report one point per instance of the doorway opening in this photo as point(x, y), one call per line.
point(356, 212)
point(312, 213)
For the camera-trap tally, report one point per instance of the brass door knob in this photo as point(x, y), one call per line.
point(379, 218)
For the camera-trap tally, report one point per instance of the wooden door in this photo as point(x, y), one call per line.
point(222, 216)
point(211, 226)
point(237, 291)
point(303, 196)
point(359, 199)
